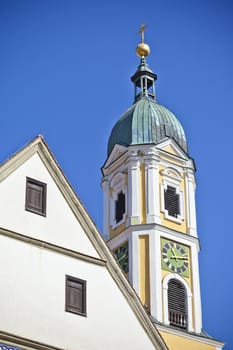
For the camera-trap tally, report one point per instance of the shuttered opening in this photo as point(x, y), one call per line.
point(177, 304)
point(172, 201)
point(35, 196)
point(120, 206)
point(75, 295)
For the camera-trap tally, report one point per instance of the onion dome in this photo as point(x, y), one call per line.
point(146, 121)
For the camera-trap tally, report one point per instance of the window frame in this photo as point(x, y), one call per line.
point(176, 198)
point(119, 203)
point(117, 185)
point(72, 308)
point(33, 209)
point(189, 297)
point(172, 178)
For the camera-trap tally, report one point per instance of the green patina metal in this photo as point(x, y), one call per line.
point(146, 122)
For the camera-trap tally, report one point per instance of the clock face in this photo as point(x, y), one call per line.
point(122, 255)
point(175, 257)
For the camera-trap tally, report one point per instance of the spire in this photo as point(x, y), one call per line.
point(144, 78)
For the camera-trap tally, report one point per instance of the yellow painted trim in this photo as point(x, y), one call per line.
point(177, 342)
point(144, 271)
point(110, 191)
point(143, 193)
point(181, 227)
point(117, 230)
point(168, 159)
point(171, 150)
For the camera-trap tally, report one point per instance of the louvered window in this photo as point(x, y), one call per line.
point(35, 196)
point(75, 295)
point(177, 304)
point(172, 201)
point(120, 206)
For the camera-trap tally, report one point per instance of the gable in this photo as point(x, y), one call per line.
point(59, 226)
point(170, 146)
point(46, 248)
point(116, 153)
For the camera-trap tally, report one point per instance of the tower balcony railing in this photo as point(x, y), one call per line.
point(177, 319)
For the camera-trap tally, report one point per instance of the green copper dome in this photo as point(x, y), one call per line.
point(146, 122)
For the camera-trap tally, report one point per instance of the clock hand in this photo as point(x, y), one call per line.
point(174, 254)
point(179, 257)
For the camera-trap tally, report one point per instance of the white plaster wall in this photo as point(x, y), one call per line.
point(32, 302)
point(59, 227)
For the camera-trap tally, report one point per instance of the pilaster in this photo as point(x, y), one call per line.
point(190, 202)
point(134, 191)
point(106, 206)
point(152, 192)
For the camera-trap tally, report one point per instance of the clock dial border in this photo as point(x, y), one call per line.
point(175, 257)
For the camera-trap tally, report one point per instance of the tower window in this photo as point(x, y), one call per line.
point(75, 295)
point(177, 304)
point(120, 207)
point(35, 196)
point(172, 201)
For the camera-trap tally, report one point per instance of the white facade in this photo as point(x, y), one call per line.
point(36, 254)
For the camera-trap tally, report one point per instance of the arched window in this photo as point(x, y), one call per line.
point(177, 304)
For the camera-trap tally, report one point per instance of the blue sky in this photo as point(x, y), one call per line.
point(65, 70)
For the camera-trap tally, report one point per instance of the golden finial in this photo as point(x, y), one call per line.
point(142, 49)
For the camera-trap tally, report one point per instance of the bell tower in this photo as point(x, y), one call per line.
point(149, 210)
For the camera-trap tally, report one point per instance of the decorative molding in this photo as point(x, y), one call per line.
point(171, 177)
point(152, 191)
point(117, 184)
point(52, 247)
point(117, 154)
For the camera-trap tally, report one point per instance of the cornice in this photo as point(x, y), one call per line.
point(161, 228)
point(52, 247)
point(190, 335)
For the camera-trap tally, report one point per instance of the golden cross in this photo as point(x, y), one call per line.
point(142, 30)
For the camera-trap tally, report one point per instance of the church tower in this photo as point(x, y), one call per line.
point(149, 212)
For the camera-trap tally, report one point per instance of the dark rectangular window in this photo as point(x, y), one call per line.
point(75, 295)
point(172, 201)
point(36, 196)
point(120, 206)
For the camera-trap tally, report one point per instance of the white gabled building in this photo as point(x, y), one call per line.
point(61, 287)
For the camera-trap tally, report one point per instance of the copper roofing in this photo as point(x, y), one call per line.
point(146, 122)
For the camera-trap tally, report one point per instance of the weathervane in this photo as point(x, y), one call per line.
point(142, 49)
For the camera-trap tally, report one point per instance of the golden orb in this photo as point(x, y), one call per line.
point(143, 50)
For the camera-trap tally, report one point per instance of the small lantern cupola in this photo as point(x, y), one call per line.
point(144, 78)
